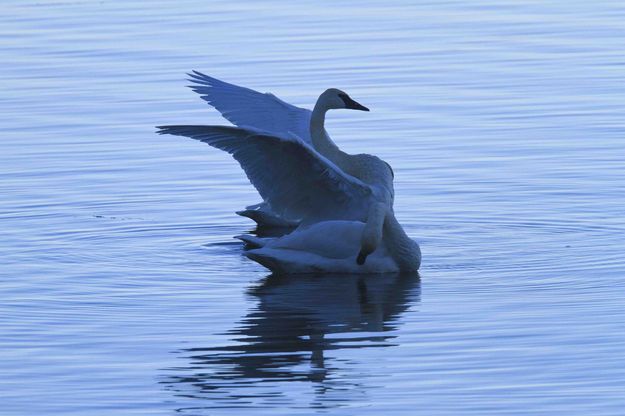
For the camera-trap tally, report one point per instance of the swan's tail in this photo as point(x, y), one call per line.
point(266, 219)
point(270, 262)
point(251, 241)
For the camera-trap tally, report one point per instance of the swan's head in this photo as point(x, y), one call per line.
point(334, 98)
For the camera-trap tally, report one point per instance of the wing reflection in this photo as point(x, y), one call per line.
point(298, 319)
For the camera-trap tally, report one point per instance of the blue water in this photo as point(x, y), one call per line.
point(122, 291)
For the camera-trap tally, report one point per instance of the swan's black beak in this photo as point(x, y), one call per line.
point(351, 104)
point(362, 257)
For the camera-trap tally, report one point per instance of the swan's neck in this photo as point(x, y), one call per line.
point(372, 232)
point(402, 249)
point(320, 140)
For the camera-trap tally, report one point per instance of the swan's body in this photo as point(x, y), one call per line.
point(329, 246)
point(332, 247)
point(343, 203)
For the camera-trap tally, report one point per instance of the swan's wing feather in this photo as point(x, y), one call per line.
point(295, 180)
point(245, 107)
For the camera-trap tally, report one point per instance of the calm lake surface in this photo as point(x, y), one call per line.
point(122, 291)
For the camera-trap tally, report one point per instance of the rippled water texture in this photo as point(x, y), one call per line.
point(122, 291)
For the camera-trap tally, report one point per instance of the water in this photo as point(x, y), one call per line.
point(123, 292)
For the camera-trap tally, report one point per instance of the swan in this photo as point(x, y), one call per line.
point(331, 247)
point(245, 107)
point(343, 220)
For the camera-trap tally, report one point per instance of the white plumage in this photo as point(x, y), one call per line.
point(325, 247)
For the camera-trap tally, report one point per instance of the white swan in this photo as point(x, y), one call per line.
point(245, 107)
point(331, 247)
point(343, 219)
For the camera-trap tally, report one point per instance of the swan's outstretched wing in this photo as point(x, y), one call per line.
point(244, 107)
point(296, 181)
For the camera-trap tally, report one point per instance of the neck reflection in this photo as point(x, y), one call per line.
point(288, 336)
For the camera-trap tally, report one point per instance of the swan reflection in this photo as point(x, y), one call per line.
point(287, 337)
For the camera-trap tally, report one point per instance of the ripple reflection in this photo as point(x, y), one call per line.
point(285, 339)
